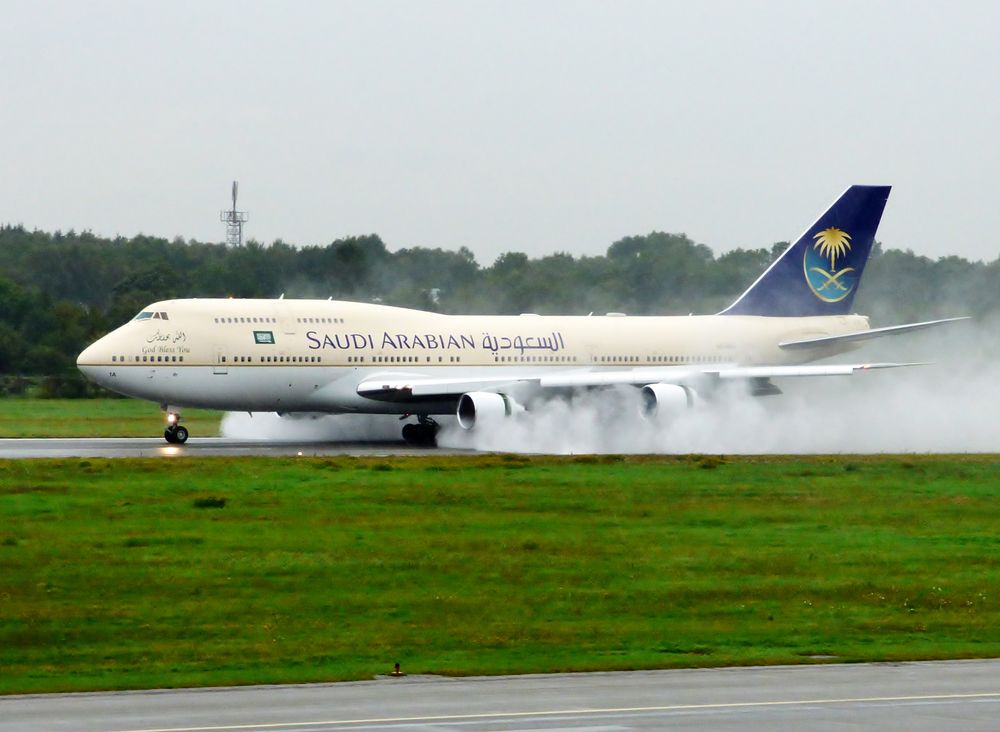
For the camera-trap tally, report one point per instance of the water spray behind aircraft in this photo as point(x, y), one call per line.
point(948, 406)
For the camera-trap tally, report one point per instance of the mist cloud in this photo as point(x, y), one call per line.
point(311, 428)
point(949, 406)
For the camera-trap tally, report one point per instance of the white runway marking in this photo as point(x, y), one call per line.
point(571, 712)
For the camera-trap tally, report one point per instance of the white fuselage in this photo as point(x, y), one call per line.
point(310, 355)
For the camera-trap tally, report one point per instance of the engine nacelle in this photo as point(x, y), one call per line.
point(483, 406)
point(661, 400)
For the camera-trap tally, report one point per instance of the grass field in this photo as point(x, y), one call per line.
point(95, 418)
point(157, 573)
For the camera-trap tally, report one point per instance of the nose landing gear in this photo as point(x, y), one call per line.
point(175, 434)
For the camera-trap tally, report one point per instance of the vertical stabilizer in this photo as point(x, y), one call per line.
point(820, 272)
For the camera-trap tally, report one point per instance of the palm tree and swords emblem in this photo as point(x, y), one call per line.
point(830, 285)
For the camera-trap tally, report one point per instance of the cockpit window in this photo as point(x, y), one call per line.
point(147, 315)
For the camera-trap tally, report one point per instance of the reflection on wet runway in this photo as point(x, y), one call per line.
point(202, 446)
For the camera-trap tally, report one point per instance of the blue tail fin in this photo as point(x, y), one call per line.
point(820, 272)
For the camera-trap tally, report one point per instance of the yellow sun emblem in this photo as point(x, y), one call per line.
point(832, 243)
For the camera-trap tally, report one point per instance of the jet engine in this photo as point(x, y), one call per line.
point(662, 400)
point(475, 407)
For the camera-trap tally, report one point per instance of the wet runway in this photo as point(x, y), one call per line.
point(156, 447)
point(912, 696)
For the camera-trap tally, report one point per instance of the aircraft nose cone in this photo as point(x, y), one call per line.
point(88, 356)
point(93, 360)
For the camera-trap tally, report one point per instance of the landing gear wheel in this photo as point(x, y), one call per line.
point(422, 434)
point(176, 435)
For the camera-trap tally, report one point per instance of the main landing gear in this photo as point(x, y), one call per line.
point(421, 434)
point(175, 434)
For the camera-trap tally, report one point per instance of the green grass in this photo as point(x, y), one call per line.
point(95, 418)
point(160, 573)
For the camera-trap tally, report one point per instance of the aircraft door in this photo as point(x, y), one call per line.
point(220, 366)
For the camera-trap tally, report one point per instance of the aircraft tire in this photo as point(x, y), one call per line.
point(180, 435)
point(410, 433)
point(420, 435)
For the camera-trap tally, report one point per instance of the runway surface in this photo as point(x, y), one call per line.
point(156, 447)
point(948, 695)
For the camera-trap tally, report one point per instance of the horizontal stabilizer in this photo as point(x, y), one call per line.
point(865, 335)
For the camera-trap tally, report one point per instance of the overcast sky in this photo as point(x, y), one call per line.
point(533, 126)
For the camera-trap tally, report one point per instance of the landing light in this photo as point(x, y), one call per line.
point(171, 418)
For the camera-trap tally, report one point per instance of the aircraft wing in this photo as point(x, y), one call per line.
point(404, 387)
point(681, 375)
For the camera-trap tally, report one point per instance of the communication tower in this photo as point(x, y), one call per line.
point(234, 221)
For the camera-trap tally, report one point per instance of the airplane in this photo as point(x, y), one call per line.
point(306, 357)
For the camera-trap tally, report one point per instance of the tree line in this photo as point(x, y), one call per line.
point(60, 291)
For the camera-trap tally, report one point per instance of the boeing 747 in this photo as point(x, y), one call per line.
point(334, 357)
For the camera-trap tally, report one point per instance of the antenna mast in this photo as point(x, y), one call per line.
point(234, 221)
